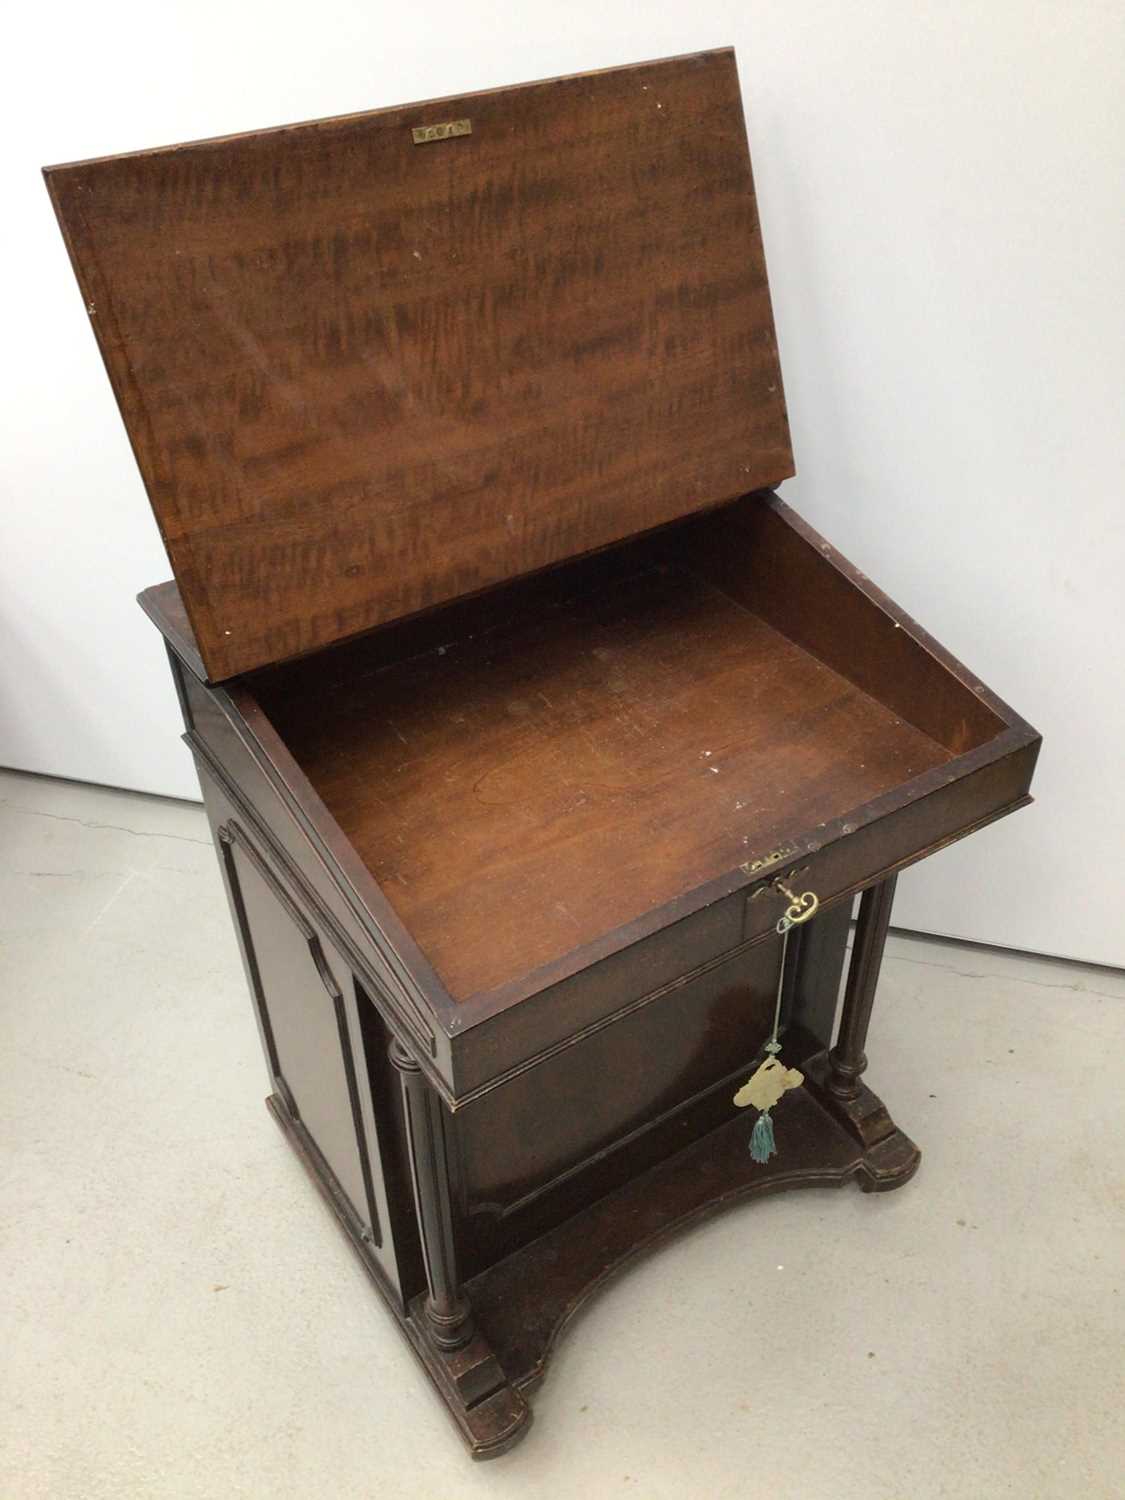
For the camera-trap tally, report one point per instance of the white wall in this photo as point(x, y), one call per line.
point(942, 189)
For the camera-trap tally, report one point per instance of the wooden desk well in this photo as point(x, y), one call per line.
point(581, 751)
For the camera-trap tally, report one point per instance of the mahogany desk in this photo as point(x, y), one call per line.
point(521, 704)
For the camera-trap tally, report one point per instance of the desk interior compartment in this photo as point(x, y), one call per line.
point(570, 761)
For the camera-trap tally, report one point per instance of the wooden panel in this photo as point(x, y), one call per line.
point(362, 376)
point(325, 1052)
point(304, 1023)
point(597, 1113)
point(522, 792)
point(624, 971)
point(764, 555)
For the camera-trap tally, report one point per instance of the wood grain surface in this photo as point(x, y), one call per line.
point(522, 791)
point(362, 377)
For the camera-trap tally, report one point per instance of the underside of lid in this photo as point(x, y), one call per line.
point(368, 366)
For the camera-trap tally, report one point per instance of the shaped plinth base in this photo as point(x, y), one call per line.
point(521, 1305)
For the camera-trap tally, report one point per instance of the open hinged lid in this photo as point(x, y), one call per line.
point(374, 363)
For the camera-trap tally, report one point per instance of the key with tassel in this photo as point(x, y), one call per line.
point(772, 1079)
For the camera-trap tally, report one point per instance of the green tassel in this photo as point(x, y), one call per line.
point(761, 1138)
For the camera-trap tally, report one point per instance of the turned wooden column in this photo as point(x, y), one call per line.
point(847, 1059)
point(447, 1310)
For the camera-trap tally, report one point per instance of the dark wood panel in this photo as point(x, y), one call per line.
point(324, 1045)
point(595, 1114)
point(621, 973)
point(363, 376)
point(303, 1021)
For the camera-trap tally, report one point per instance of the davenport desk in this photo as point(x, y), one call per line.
point(531, 724)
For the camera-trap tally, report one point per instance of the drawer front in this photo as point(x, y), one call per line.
point(845, 857)
point(526, 1034)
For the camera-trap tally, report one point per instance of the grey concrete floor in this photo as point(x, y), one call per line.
point(183, 1319)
